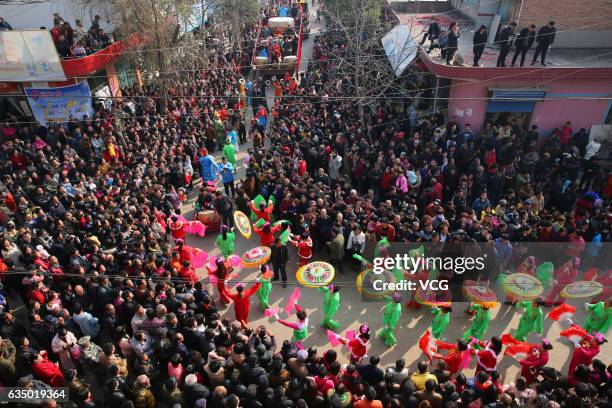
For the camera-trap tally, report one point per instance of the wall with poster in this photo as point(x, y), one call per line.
point(58, 104)
point(29, 56)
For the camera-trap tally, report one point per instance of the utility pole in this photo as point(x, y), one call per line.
point(158, 44)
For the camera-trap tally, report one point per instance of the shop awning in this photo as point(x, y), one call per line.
point(401, 49)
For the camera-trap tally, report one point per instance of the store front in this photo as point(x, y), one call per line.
point(506, 105)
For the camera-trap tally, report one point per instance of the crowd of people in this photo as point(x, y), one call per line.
point(88, 208)
point(448, 41)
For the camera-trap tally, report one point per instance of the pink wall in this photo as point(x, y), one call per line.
point(547, 114)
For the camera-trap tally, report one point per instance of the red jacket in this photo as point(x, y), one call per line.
point(266, 239)
point(48, 372)
point(242, 304)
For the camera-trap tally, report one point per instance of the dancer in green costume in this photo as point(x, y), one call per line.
point(225, 241)
point(229, 150)
point(480, 323)
point(331, 304)
point(531, 320)
point(391, 315)
point(599, 317)
point(263, 294)
point(440, 321)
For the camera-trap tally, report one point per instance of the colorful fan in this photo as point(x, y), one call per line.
point(315, 274)
point(574, 333)
point(256, 256)
point(235, 261)
point(562, 312)
point(522, 286)
point(430, 297)
point(582, 289)
point(242, 224)
point(366, 283)
point(479, 292)
point(519, 351)
point(427, 343)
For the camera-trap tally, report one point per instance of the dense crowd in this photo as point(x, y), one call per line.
point(77, 41)
point(85, 240)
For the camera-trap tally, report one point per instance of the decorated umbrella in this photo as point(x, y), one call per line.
point(366, 279)
point(242, 224)
point(522, 286)
point(315, 274)
point(479, 292)
point(582, 289)
point(429, 297)
point(256, 256)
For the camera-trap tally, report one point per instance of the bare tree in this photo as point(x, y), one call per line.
point(360, 25)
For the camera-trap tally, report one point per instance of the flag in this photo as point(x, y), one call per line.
point(427, 343)
point(333, 338)
point(293, 299)
point(519, 351)
point(574, 333)
point(562, 312)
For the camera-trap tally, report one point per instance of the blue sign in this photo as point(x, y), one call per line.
point(60, 104)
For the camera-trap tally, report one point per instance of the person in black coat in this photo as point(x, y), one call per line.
point(433, 31)
point(505, 42)
point(545, 38)
point(279, 259)
point(479, 41)
point(523, 43)
point(453, 43)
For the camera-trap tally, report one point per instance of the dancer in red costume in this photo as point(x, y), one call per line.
point(242, 303)
point(220, 271)
point(187, 273)
point(358, 345)
point(536, 359)
point(455, 356)
point(566, 274)
point(264, 211)
point(195, 256)
point(266, 233)
point(586, 350)
point(486, 358)
point(304, 246)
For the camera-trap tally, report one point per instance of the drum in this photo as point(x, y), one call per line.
point(480, 293)
point(290, 59)
point(582, 289)
point(315, 274)
point(261, 60)
point(211, 219)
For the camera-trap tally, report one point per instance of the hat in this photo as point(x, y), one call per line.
point(23, 381)
point(200, 403)
point(412, 177)
point(302, 355)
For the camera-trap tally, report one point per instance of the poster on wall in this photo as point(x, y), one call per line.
point(60, 104)
point(29, 56)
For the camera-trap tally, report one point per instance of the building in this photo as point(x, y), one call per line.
point(575, 85)
point(105, 71)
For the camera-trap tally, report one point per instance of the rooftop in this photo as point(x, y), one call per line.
point(591, 63)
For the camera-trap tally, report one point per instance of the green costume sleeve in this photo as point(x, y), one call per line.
point(544, 272)
point(539, 327)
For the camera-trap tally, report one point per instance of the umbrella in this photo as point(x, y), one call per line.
point(242, 224)
point(256, 256)
point(522, 286)
point(582, 289)
point(315, 274)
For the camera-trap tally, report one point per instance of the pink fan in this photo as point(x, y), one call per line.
point(427, 343)
point(180, 217)
point(350, 335)
point(269, 312)
point(199, 258)
point(235, 260)
point(466, 359)
point(212, 265)
point(293, 299)
point(562, 312)
point(519, 351)
point(213, 279)
point(333, 338)
point(196, 228)
point(574, 333)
